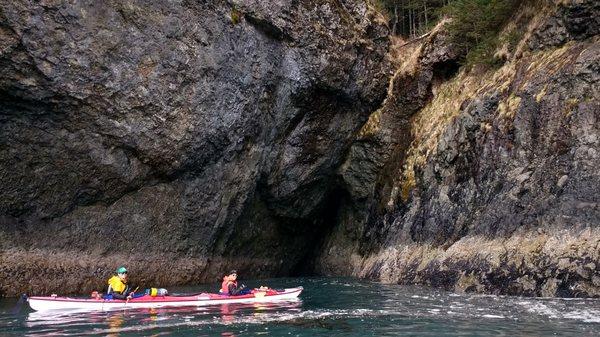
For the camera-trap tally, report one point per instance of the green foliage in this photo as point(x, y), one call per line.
point(512, 38)
point(235, 16)
point(476, 25)
point(410, 18)
point(380, 5)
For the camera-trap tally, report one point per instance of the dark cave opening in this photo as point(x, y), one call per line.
point(323, 223)
point(445, 70)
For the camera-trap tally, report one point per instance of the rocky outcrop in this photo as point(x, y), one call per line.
point(498, 190)
point(205, 134)
point(368, 173)
point(185, 138)
point(578, 20)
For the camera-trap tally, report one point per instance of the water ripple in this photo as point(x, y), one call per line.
point(329, 307)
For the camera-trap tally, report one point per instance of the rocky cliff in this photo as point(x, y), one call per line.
point(483, 180)
point(286, 138)
point(178, 138)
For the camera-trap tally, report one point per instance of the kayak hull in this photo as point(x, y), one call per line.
point(40, 303)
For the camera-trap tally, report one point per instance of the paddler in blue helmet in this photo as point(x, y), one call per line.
point(230, 287)
point(118, 287)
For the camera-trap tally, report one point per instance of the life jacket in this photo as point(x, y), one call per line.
point(225, 285)
point(115, 284)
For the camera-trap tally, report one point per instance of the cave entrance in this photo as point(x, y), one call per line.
point(444, 71)
point(322, 225)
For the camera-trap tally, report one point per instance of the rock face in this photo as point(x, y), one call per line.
point(179, 138)
point(377, 156)
point(499, 189)
point(186, 138)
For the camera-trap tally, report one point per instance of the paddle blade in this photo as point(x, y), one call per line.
point(19, 304)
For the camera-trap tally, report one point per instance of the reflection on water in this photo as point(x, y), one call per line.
point(329, 307)
point(115, 323)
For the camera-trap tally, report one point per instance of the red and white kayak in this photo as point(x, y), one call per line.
point(42, 303)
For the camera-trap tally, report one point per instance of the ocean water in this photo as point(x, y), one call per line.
point(327, 307)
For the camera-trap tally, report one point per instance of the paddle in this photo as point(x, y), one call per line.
point(131, 294)
point(19, 304)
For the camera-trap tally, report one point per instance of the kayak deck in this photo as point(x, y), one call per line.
point(41, 303)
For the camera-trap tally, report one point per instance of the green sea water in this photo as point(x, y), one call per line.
point(327, 307)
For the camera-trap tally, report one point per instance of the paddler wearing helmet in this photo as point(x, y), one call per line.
point(230, 287)
point(118, 287)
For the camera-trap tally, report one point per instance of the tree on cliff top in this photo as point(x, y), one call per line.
point(410, 18)
point(474, 28)
point(476, 25)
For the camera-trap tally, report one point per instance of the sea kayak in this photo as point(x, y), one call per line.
point(42, 303)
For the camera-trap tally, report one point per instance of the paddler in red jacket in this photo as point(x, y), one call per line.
point(229, 286)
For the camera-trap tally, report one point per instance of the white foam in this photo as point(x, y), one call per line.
point(492, 316)
point(587, 316)
point(541, 309)
point(423, 297)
